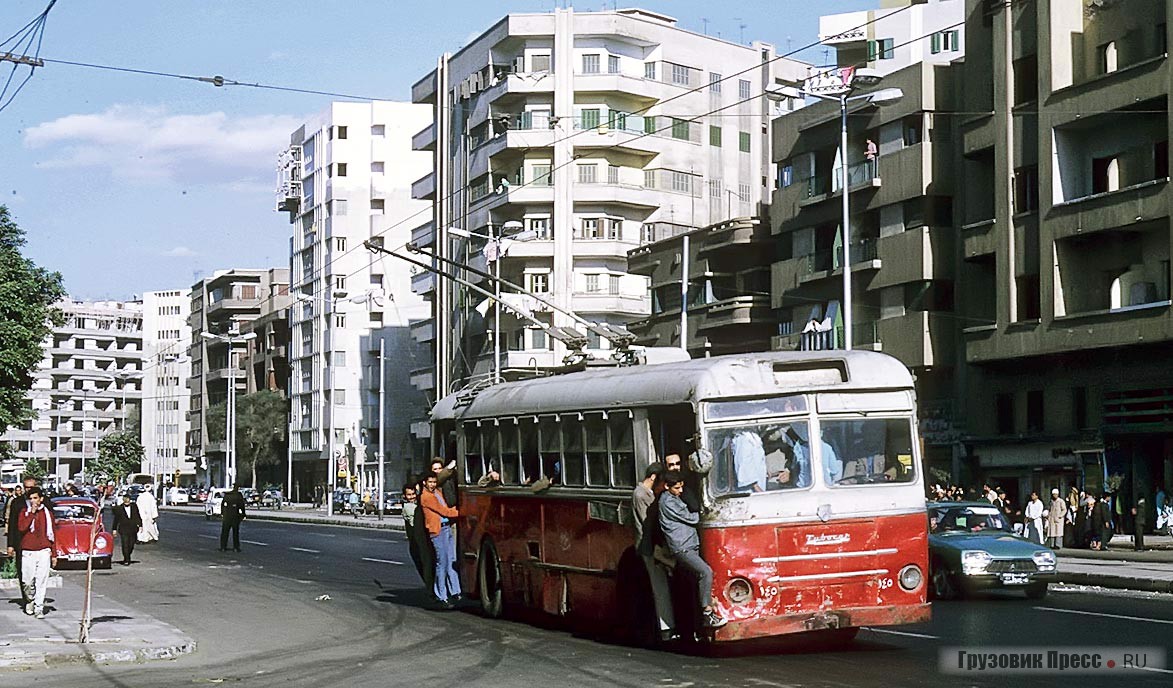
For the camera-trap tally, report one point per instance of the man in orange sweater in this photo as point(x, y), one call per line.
point(438, 517)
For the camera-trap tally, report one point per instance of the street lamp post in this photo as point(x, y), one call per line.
point(844, 89)
point(230, 421)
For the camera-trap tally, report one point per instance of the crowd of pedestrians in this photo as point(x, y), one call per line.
point(1076, 520)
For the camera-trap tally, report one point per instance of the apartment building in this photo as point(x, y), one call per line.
point(889, 38)
point(86, 384)
point(166, 336)
point(1066, 245)
point(585, 131)
point(346, 178)
point(220, 305)
point(900, 181)
point(727, 310)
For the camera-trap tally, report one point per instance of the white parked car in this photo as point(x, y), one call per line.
point(214, 505)
point(178, 495)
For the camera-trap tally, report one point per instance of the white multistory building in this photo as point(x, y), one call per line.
point(597, 132)
point(891, 37)
point(89, 379)
point(166, 337)
point(346, 179)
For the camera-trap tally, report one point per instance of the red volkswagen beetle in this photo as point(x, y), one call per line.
point(73, 519)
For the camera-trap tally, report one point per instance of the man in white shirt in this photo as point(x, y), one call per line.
point(1034, 518)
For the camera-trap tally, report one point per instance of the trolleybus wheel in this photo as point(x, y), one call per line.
point(637, 602)
point(489, 581)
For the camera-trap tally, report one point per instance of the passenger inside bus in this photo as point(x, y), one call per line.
point(763, 457)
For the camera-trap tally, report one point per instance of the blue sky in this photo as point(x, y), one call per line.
point(129, 183)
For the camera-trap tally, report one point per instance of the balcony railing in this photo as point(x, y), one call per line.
point(863, 334)
point(819, 261)
point(861, 173)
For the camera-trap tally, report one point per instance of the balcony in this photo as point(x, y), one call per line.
point(513, 86)
point(424, 235)
point(423, 331)
point(516, 140)
point(601, 248)
point(424, 188)
point(737, 311)
point(630, 195)
point(827, 263)
point(978, 238)
point(734, 235)
point(423, 379)
point(424, 90)
point(862, 175)
point(914, 255)
point(619, 304)
point(646, 92)
point(843, 29)
point(423, 283)
point(234, 305)
point(918, 338)
point(425, 139)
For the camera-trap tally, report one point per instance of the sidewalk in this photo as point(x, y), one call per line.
point(1120, 566)
point(305, 514)
point(117, 633)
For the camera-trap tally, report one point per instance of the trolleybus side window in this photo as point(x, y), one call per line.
point(550, 444)
point(595, 431)
point(531, 469)
point(863, 452)
point(622, 449)
point(761, 457)
point(509, 456)
point(572, 454)
point(492, 457)
point(474, 460)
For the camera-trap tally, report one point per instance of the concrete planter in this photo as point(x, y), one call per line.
point(13, 584)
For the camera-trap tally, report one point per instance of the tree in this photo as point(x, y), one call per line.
point(261, 421)
point(34, 469)
point(119, 454)
point(27, 295)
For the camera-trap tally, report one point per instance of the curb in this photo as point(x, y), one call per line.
point(278, 517)
point(13, 584)
point(84, 655)
point(1117, 582)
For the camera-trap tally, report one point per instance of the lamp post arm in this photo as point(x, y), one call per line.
point(554, 333)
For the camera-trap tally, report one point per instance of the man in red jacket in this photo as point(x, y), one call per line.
point(438, 517)
point(35, 524)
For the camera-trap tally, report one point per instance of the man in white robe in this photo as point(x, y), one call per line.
point(148, 508)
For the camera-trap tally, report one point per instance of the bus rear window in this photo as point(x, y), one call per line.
point(865, 452)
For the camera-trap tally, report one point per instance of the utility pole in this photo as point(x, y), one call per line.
point(382, 416)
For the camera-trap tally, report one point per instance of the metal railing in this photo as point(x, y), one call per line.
point(832, 259)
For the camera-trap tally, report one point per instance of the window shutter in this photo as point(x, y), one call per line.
point(936, 43)
point(871, 51)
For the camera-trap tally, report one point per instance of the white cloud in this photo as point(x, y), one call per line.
point(151, 144)
point(179, 252)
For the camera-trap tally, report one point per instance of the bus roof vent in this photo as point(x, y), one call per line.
point(810, 373)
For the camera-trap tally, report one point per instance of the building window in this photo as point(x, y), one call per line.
point(649, 179)
point(679, 128)
point(613, 227)
point(649, 70)
point(340, 283)
point(538, 337)
point(377, 206)
point(945, 41)
point(612, 174)
point(613, 285)
point(339, 320)
point(882, 49)
point(743, 86)
point(714, 82)
point(1026, 79)
point(339, 359)
point(681, 182)
point(339, 397)
point(339, 244)
point(743, 141)
point(650, 124)
point(1107, 58)
point(248, 291)
point(617, 120)
point(1004, 413)
point(540, 63)
point(592, 284)
point(341, 169)
point(785, 174)
point(378, 130)
point(590, 118)
point(590, 228)
point(538, 282)
point(612, 64)
point(1026, 189)
point(1034, 410)
point(716, 186)
point(376, 318)
point(542, 176)
point(1105, 174)
point(743, 192)
point(1161, 159)
point(590, 64)
point(341, 132)
point(680, 74)
point(588, 173)
point(714, 136)
point(1079, 408)
point(377, 167)
point(540, 226)
point(1027, 292)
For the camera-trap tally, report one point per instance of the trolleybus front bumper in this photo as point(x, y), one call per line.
point(762, 627)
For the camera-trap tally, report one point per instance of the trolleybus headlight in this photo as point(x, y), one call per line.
point(911, 577)
point(739, 591)
point(100, 542)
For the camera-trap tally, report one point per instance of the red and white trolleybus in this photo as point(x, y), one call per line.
point(807, 463)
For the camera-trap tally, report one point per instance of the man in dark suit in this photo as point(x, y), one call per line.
point(127, 522)
point(17, 504)
point(232, 513)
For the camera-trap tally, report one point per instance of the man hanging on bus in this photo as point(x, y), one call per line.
point(647, 533)
point(679, 526)
point(438, 517)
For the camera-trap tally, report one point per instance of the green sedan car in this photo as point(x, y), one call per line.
point(972, 547)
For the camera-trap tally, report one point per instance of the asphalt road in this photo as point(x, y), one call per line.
point(258, 621)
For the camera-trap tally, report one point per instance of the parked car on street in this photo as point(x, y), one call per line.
point(271, 497)
point(972, 547)
point(342, 501)
point(73, 523)
point(392, 503)
point(214, 504)
point(252, 496)
point(178, 495)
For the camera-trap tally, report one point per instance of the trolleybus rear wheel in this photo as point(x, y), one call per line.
point(489, 581)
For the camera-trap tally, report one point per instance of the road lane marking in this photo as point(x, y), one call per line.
point(254, 542)
point(324, 534)
point(303, 549)
point(374, 539)
point(383, 561)
point(906, 633)
point(1110, 616)
point(1163, 671)
point(210, 537)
